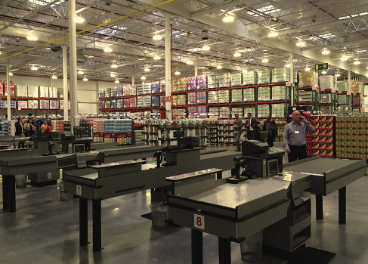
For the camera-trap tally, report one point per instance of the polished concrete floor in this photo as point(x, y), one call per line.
point(45, 230)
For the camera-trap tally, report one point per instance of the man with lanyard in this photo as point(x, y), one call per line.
point(238, 125)
point(250, 123)
point(294, 137)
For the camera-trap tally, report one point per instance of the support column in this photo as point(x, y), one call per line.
point(96, 215)
point(97, 97)
point(342, 206)
point(168, 64)
point(65, 81)
point(83, 222)
point(73, 65)
point(291, 78)
point(319, 207)
point(197, 247)
point(224, 247)
point(349, 81)
point(195, 68)
point(133, 81)
point(8, 93)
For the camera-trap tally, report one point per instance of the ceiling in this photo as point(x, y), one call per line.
point(339, 26)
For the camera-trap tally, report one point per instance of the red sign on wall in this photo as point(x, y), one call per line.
point(169, 99)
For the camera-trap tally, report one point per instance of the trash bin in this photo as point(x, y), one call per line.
point(159, 216)
point(64, 196)
point(251, 248)
point(21, 180)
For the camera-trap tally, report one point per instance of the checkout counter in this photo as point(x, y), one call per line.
point(267, 196)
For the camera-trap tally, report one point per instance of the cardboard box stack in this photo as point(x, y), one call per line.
point(224, 80)
point(356, 87)
point(236, 79)
point(224, 96)
point(264, 77)
point(212, 81)
point(213, 97)
point(279, 93)
point(320, 142)
point(237, 96)
point(308, 79)
point(250, 78)
point(248, 95)
point(264, 93)
point(280, 75)
point(263, 110)
point(327, 82)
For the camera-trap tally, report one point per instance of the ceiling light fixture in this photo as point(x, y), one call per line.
point(237, 54)
point(273, 34)
point(114, 66)
point(157, 37)
point(32, 38)
point(143, 78)
point(107, 49)
point(338, 74)
point(219, 67)
point(356, 62)
point(147, 69)
point(245, 70)
point(344, 58)
point(228, 19)
point(177, 73)
point(10, 74)
point(189, 62)
point(54, 77)
point(34, 68)
point(325, 52)
point(85, 79)
point(287, 65)
point(301, 43)
point(206, 47)
point(265, 60)
point(157, 58)
point(307, 68)
point(80, 72)
point(117, 81)
point(112, 74)
point(324, 72)
point(79, 19)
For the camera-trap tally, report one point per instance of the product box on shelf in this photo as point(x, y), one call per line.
point(113, 92)
point(201, 97)
point(278, 110)
point(126, 102)
point(224, 112)
point(224, 80)
point(192, 98)
point(33, 91)
point(263, 110)
point(236, 79)
point(182, 99)
point(119, 103)
point(140, 89)
point(144, 101)
point(280, 75)
point(32, 104)
point(155, 100)
point(237, 110)
point(248, 95)
point(308, 79)
point(236, 95)
point(201, 82)
point(327, 82)
point(192, 84)
point(22, 105)
point(183, 84)
point(43, 92)
point(213, 112)
point(147, 88)
point(155, 87)
point(162, 100)
point(342, 86)
point(213, 97)
point(279, 93)
point(101, 105)
point(212, 81)
point(356, 87)
point(162, 86)
point(224, 96)
point(107, 104)
point(174, 85)
point(113, 104)
point(250, 78)
point(54, 104)
point(264, 93)
point(175, 100)
point(21, 90)
point(44, 104)
point(119, 91)
point(264, 77)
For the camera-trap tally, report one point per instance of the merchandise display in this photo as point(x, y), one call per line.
point(250, 78)
point(155, 100)
point(278, 110)
point(248, 95)
point(192, 84)
point(263, 110)
point(280, 75)
point(264, 93)
point(224, 96)
point(264, 77)
point(183, 84)
point(356, 87)
point(213, 97)
point(236, 79)
point(182, 99)
point(236, 95)
point(224, 80)
point(279, 93)
point(320, 142)
point(342, 86)
point(327, 82)
point(250, 109)
point(202, 82)
point(212, 81)
point(213, 112)
point(155, 87)
point(237, 110)
point(308, 79)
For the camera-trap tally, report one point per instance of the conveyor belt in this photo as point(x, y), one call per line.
point(206, 152)
point(220, 154)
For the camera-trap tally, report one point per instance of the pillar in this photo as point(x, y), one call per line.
point(168, 64)
point(133, 81)
point(291, 78)
point(65, 81)
point(349, 81)
point(195, 68)
point(8, 92)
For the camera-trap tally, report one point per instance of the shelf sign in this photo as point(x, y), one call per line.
point(78, 190)
point(323, 66)
point(199, 221)
point(288, 84)
point(169, 99)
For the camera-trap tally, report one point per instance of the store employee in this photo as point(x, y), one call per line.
point(294, 137)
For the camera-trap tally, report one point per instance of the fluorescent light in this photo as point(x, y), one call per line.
point(143, 78)
point(356, 62)
point(79, 19)
point(338, 74)
point(80, 72)
point(157, 37)
point(112, 74)
point(237, 54)
point(228, 19)
point(34, 68)
point(245, 70)
point(219, 66)
point(300, 44)
point(325, 52)
point(177, 73)
point(10, 74)
point(107, 49)
point(344, 58)
point(189, 62)
point(307, 68)
point(54, 77)
point(157, 58)
point(147, 69)
point(114, 66)
point(32, 37)
point(206, 47)
point(117, 81)
point(273, 34)
point(85, 79)
point(265, 60)
point(324, 72)
point(287, 65)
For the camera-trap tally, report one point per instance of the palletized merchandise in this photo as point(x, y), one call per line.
point(113, 92)
point(162, 86)
point(21, 91)
point(155, 100)
point(192, 112)
point(118, 126)
point(119, 103)
point(33, 91)
point(343, 99)
point(155, 87)
point(212, 81)
point(54, 104)
point(308, 79)
point(201, 97)
point(127, 102)
point(202, 111)
point(192, 83)
point(179, 113)
point(44, 92)
point(213, 97)
point(250, 78)
point(236, 79)
point(140, 89)
point(44, 104)
point(264, 77)
point(133, 90)
point(326, 110)
point(21, 105)
point(263, 110)
point(107, 104)
point(264, 93)
point(326, 98)
point(224, 96)
point(356, 87)
point(213, 112)
point(201, 82)
point(175, 100)
point(305, 96)
point(147, 88)
point(119, 91)
point(1, 88)
point(192, 98)
point(53, 92)
point(237, 110)
point(248, 95)
point(32, 104)
point(108, 93)
point(162, 100)
point(342, 86)
point(224, 112)
point(100, 103)
point(62, 104)
point(183, 84)
point(279, 93)
point(278, 110)
point(144, 101)
point(224, 80)
point(182, 99)
point(175, 85)
point(113, 104)
point(327, 82)
point(280, 75)
point(126, 90)
point(236, 95)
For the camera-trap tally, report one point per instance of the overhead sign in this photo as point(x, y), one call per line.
point(323, 66)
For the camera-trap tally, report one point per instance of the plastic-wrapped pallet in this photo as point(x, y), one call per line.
point(250, 109)
point(144, 101)
point(250, 78)
point(213, 112)
point(213, 97)
point(201, 98)
point(113, 104)
point(113, 92)
point(201, 82)
point(248, 95)
point(325, 98)
point(224, 96)
point(53, 92)
point(192, 98)
point(147, 88)
point(192, 112)
point(264, 93)
point(175, 100)
point(182, 99)
point(155, 87)
point(183, 84)
point(278, 110)
point(237, 110)
point(44, 104)
point(224, 112)
point(342, 99)
point(119, 91)
point(133, 90)
point(237, 95)
point(126, 90)
point(107, 104)
point(326, 110)
point(264, 77)
point(162, 100)
point(212, 81)
point(327, 82)
point(54, 104)
point(155, 100)
point(44, 92)
point(280, 75)
point(174, 85)
point(119, 103)
point(162, 86)
point(108, 93)
point(22, 105)
point(202, 111)
point(308, 79)
point(21, 91)
point(140, 89)
point(342, 86)
point(224, 80)
point(126, 103)
point(236, 79)
point(305, 96)
point(179, 113)
point(279, 93)
point(192, 84)
point(263, 110)
point(32, 104)
point(33, 91)
point(356, 87)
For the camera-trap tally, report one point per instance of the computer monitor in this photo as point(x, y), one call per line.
point(272, 167)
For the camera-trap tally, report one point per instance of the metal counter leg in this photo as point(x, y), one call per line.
point(224, 251)
point(319, 207)
point(83, 222)
point(342, 206)
point(96, 213)
point(197, 247)
point(5, 192)
point(11, 192)
point(219, 175)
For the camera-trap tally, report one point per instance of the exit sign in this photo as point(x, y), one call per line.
point(323, 66)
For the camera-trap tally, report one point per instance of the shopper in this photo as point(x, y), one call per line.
point(257, 131)
point(43, 127)
point(270, 128)
point(250, 124)
point(273, 122)
point(48, 128)
point(238, 126)
point(294, 137)
point(19, 127)
point(29, 128)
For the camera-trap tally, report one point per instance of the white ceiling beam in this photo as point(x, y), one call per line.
point(213, 9)
point(336, 45)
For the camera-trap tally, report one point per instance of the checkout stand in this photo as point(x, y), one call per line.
point(273, 202)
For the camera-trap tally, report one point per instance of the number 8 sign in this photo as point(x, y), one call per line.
point(199, 221)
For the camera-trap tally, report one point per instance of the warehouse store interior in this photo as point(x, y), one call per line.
point(183, 131)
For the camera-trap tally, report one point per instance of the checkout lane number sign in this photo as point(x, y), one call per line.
point(199, 221)
point(78, 189)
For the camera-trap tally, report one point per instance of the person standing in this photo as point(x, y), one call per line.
point(31, 128)
point(238, 126)
point(19, 127)
point(250, 124)
point(44, 125)
point(270, 128)
point(294, 140)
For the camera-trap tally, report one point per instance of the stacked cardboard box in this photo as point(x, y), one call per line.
point(250, 78)
point(308, 79)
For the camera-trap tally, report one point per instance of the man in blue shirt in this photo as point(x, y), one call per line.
point(294, 140)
